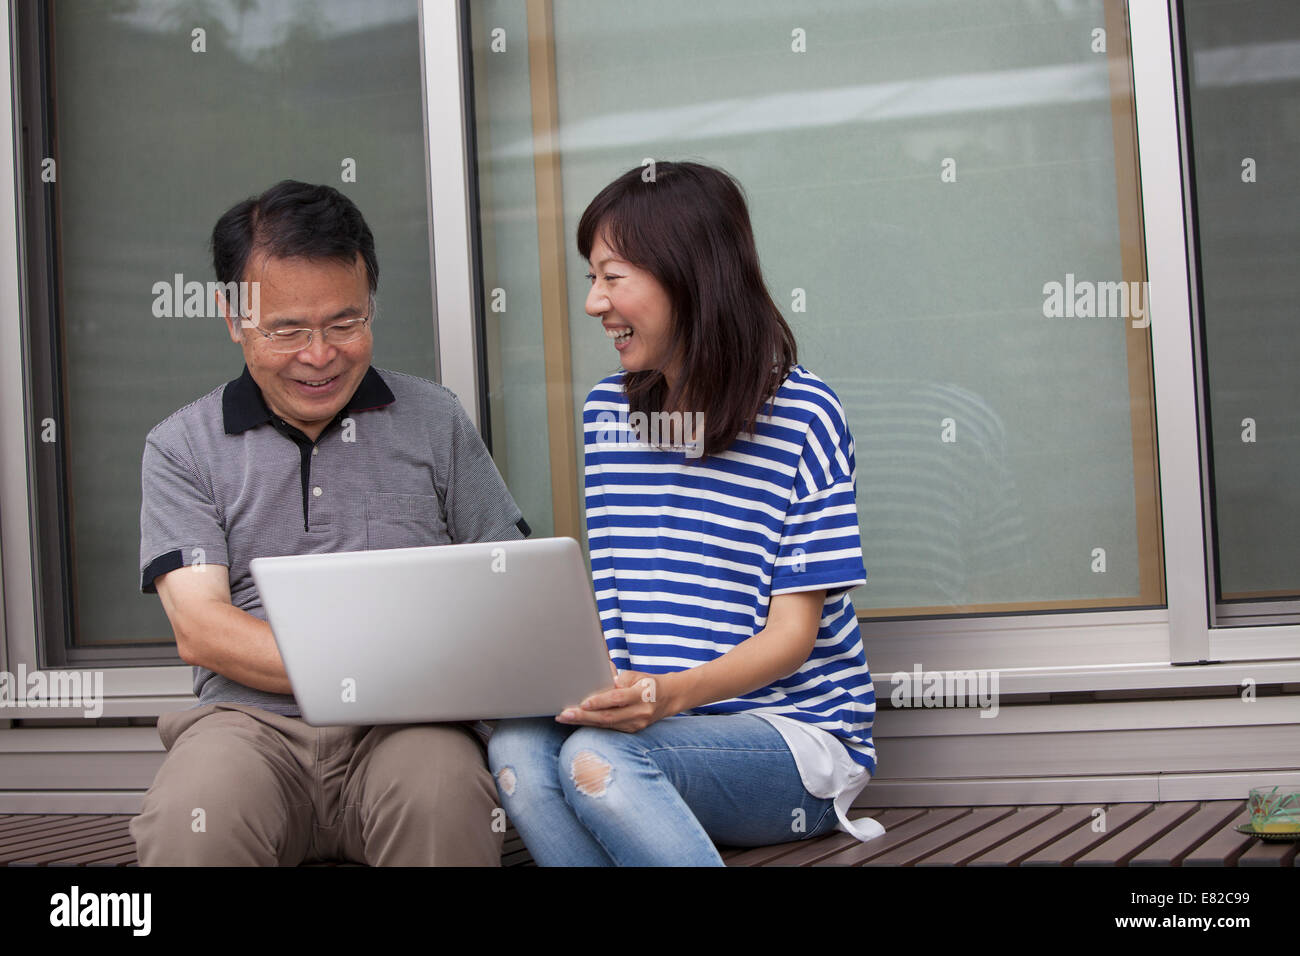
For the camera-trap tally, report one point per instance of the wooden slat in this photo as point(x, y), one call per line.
point(11, 847)
point(1083, 840)
point(83, 837)
point(911, 853)
point(56, 827)
point(513, 851)
point(961, 852)
point(1268, 853)
point(1033, 840)
point(105, 856)
point(19, 824)
point(63, 845)
point(761, 855)
point(1145, 831)
point(1141, 834)
point(896, 816)
point(1173, 847)
point(862, 854)
point(111, 841)
point(13, 824)
point(811, 852)
point(1224, 847)
point(126, 858)
point(885, 818)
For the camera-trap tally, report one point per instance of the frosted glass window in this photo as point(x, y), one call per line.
point(154, 138)
point(928, 183)
point(1243, 67)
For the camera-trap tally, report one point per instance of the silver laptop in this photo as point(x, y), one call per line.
point(454, 632)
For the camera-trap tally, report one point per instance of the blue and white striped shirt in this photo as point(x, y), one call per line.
point(686, 553)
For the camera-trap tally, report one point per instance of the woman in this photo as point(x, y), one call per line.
point(724, 541)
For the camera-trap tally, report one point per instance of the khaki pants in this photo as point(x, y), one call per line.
point(242, 786)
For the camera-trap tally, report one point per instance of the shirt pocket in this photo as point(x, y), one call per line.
point(404, 521)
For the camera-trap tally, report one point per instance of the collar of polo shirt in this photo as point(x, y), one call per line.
point(242, 405)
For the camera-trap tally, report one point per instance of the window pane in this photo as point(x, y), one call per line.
point(155, 139)
point(508, 224)
point(945, 201)
point(1243, 67)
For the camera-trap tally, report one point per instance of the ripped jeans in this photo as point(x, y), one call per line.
point(587, 796)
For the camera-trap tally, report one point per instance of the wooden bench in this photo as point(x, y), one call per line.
point(1191, 833)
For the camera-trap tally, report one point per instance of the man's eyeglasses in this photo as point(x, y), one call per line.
point(295, 340)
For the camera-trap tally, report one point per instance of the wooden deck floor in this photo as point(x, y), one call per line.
point(1193, 833)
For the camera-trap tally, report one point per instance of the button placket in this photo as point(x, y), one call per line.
point(317, 490)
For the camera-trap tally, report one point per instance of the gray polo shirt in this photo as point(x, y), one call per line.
point(226, 481)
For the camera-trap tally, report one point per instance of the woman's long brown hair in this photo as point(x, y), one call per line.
point(689, 227)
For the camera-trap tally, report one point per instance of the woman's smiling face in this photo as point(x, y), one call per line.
point(634, 309)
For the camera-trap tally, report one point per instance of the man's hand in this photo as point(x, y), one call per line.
point(636, 701)
point(211, 632)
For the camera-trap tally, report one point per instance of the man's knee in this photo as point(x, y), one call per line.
point(217, 799)
point(428, 764)
point(427, 798)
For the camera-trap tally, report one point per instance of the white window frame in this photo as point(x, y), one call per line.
point(1110, 650)
point(1037, 653)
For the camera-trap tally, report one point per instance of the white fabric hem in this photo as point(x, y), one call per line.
point(827, 771)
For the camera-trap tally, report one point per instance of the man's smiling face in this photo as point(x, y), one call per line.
point(306, 388)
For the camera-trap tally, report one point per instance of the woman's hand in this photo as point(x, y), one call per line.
point(777, 651)
point(636, 701)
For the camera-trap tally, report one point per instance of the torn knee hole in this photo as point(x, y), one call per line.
point(591, 773)
point(506, 780)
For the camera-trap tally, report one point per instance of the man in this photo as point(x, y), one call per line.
point(310, 450)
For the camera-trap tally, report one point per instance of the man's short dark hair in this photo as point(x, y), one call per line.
point(293, 220)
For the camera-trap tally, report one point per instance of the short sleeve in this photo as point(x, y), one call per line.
point(821, 546)
point(478, 505)
point(179, 522)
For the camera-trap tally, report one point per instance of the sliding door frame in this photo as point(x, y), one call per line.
point(1125, 651)
point(1041, 651)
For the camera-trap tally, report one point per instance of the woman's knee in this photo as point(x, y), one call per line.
point(590, 757)
point(524, 749)
point(517, 739)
